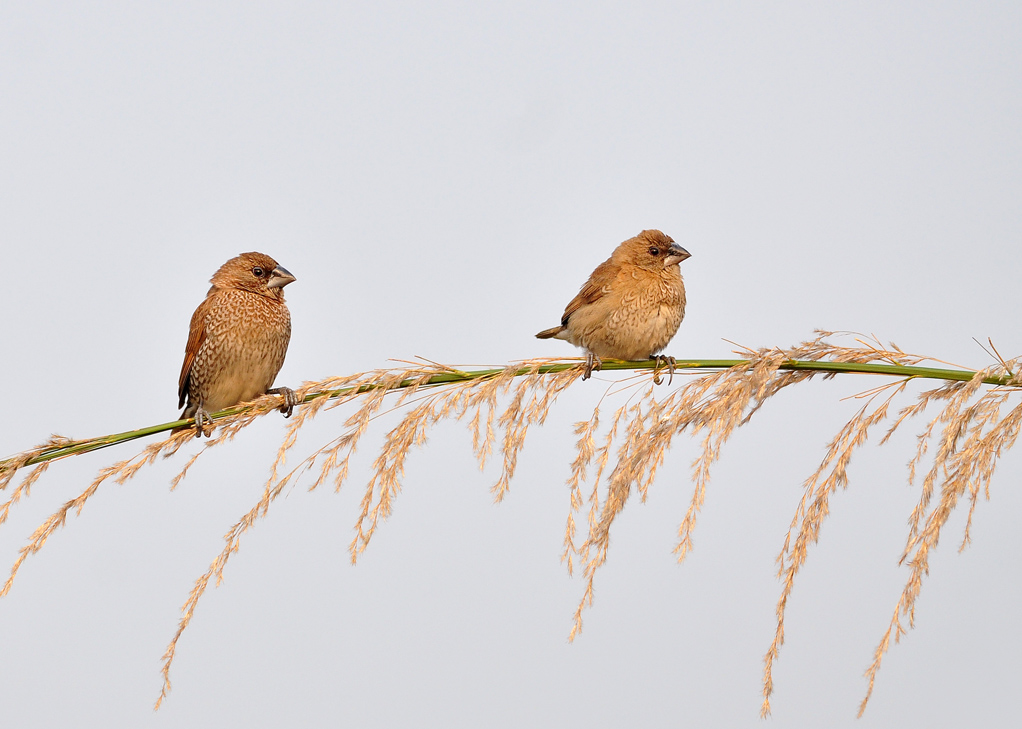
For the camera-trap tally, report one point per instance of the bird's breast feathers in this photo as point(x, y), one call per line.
point(244, 347)
point(635, 319)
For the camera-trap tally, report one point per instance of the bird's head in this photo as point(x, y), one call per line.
point(653, 251)
point(255, 272)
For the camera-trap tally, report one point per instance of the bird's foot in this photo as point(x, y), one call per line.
point(290, 399)
point(592, 363)
point(202, 419)
point(662, 361)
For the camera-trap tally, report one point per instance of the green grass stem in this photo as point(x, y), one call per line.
point(893, 370)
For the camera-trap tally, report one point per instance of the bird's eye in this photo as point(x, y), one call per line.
point(257, 272)
point(654, 251)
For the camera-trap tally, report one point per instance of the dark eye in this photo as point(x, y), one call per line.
point(654, 251)
point(257, 272)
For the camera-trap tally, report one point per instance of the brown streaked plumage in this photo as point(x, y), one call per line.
point(632, 304)
point(237, 339)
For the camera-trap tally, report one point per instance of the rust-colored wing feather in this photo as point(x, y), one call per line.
point(593, 289)
point(196, 336)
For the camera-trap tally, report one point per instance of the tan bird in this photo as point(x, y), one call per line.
point(237, 339)
point(632, 304)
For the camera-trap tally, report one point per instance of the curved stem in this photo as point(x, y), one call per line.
point(77, 447)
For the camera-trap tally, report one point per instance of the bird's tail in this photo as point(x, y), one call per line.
point(550, 333)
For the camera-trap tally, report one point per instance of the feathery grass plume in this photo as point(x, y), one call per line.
point(715, 404)
point(457, 395)
point(957, 466)
point(968, 448)
point(120, 472)
point(10, 467)
point(718, 397)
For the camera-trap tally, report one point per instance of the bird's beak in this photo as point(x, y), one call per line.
point(676, 254)
point(279, 278)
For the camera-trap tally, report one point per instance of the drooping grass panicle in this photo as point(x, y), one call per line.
point(614, 456)
point(813, 508)
point(119, 472)
point(971, 442)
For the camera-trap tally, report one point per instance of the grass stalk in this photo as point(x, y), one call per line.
point(968, 435)
point(87, 445)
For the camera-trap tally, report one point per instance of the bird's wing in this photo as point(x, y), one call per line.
point(196, 336)
point(592, 290)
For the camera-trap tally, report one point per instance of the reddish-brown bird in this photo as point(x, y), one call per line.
point(632, 304)
point(237, 339)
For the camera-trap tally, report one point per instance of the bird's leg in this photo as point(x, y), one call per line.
point(663, 360)
point(201, 418)
point(592, 363)
point(290, 399)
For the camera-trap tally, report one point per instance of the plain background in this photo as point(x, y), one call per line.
point(441, 177)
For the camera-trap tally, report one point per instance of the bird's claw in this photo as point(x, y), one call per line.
point(290, 399)
point(592, 363)
point(202, 418)
point(663, 360)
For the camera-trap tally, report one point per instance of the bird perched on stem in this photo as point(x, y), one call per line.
point(631, 306)
point(237, 339)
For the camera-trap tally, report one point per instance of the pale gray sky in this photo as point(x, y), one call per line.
point(441, 178)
